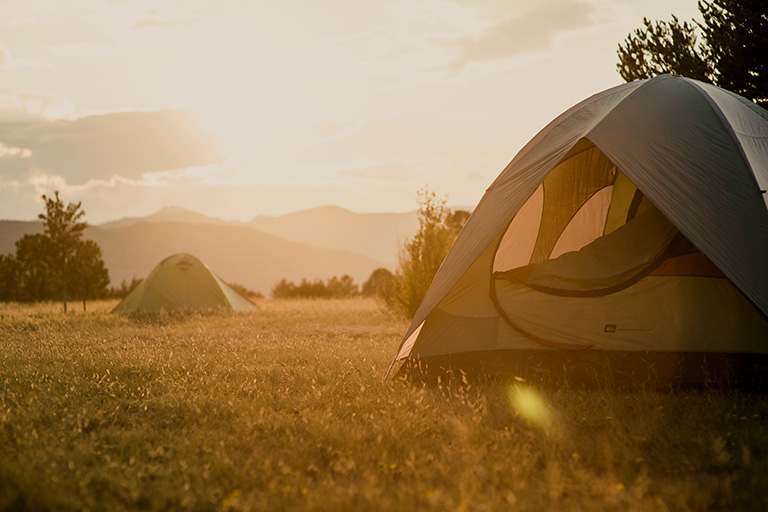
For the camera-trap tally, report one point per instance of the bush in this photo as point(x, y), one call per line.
point(122, 291)
point(421, 256)
point(333, 288)
point(379, 283)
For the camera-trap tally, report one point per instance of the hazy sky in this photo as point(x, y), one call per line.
point(235, 108)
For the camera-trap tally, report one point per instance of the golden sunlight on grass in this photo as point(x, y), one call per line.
point(285, 409)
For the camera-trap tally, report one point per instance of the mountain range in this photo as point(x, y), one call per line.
point(315, 244)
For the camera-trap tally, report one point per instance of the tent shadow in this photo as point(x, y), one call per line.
point(635, 371)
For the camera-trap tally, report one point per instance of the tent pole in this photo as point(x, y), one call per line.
point(391, 365)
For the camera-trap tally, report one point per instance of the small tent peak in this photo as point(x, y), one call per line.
point(180, 257)
point(184, 264)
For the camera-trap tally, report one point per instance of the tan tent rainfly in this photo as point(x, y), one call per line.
point(632, 227)
point(183, 282)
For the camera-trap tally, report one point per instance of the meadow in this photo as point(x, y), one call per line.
point(285, 409)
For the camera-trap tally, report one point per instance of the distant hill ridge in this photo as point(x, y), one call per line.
point(167, 214)
point(12, 230)
point(316, 244)
point(375, 235)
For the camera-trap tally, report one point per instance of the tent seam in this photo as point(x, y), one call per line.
point(728, 127)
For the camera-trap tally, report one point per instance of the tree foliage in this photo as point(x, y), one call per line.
point(727, 48)
point(9, 278)
point(35, 279)
point(663, 47)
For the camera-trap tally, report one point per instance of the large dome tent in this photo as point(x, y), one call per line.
point(632, 228)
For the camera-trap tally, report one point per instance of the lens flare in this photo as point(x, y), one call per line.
point(529, 404)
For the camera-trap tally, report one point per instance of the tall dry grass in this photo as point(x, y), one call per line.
point(285, 409)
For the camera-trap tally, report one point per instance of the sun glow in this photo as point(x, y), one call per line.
point(307, 107)
point(252, 95)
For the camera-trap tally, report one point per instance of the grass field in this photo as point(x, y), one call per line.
point(285, 409)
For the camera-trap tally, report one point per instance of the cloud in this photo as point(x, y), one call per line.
point(154, 22)
point(12, 185)
point(122, 17)
point(534, 31)
point(164, 18)
point(83, 50)
point(43, 183)
point(12, 19)
point(384, 170)
point(123, 144)
point(335, 130)
point(10, 151)
point(14, 60)
point(30, 105)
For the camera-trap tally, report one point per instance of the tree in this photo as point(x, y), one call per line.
point(89, 278)
point(663, 47)
point(72, 263)
point(731, 54)
point(422, 255)
point(64, 231)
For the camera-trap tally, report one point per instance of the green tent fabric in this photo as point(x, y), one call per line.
point(183, 282)
point(635, 223)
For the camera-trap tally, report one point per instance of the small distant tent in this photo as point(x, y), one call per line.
point(183, 282)
point(631, 234)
